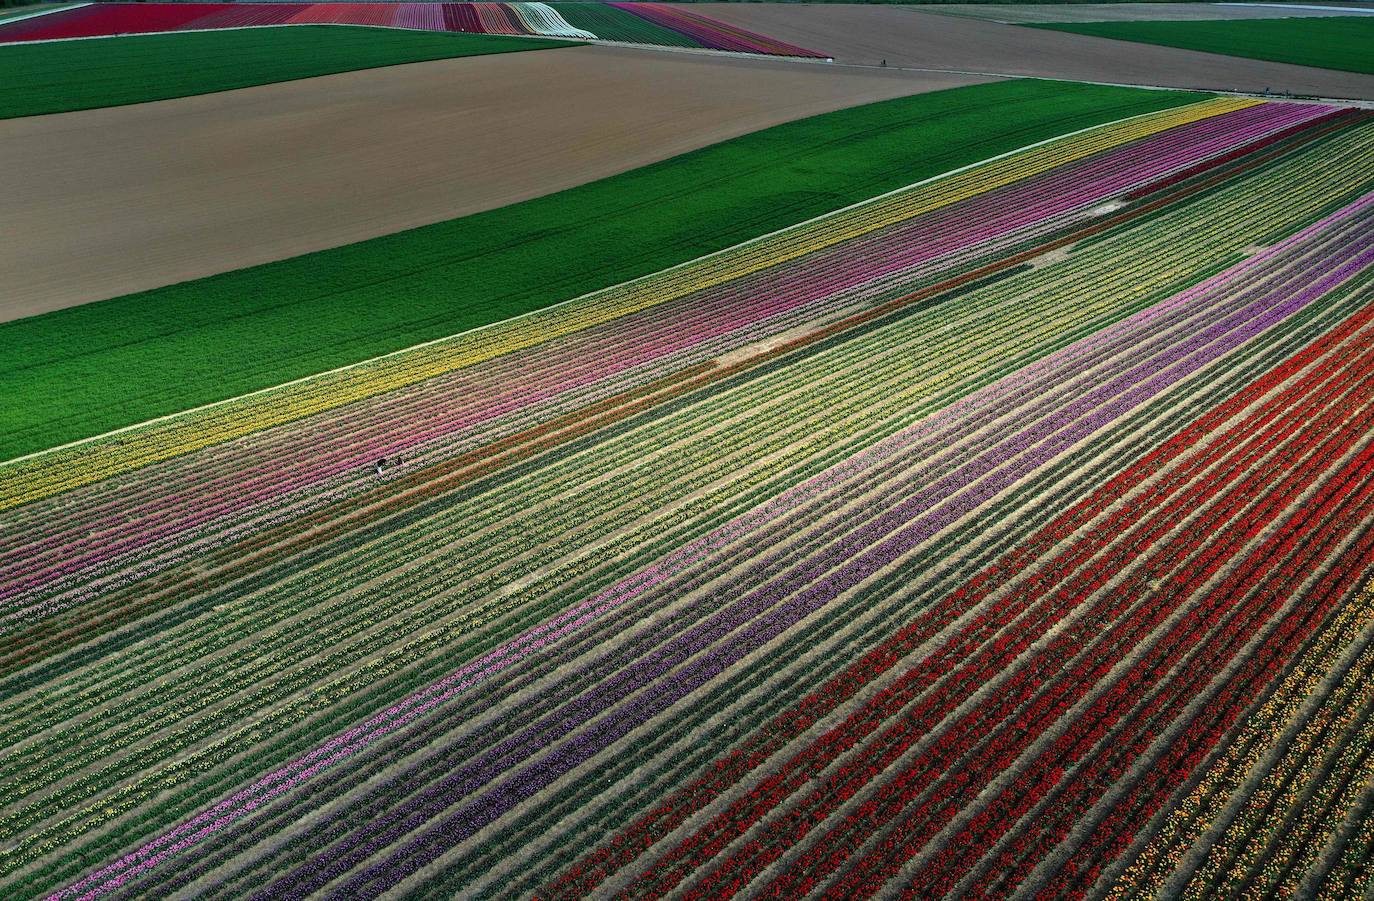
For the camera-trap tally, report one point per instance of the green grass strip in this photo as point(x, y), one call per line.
point(1345, 43)
point(85, 370)
point(60, 76)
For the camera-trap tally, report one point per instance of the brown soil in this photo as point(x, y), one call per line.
point(141, 196)
point(907, 37)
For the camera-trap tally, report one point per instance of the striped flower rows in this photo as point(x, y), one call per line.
point(424, 424)
point(956, 542)
point(89, 462)
point(611, 22)
point(1294, 750)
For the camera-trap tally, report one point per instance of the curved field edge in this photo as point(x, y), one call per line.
point(270, 324)
point(63, 76)
point(1334, 43)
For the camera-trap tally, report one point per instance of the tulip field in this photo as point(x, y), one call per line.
point(638, 23)
point(1007, 534)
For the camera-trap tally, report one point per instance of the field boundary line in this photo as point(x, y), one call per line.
point(563, 303)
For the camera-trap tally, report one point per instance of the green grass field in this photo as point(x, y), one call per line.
point(82, 371)
point(61, 76)
point(1345, 43)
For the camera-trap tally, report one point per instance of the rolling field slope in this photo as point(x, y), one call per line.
point(72, 75)
point(992, 534)
point(921, 38)
point(199, 187)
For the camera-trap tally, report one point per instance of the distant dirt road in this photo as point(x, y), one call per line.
point(101, 203)
point(907, 37)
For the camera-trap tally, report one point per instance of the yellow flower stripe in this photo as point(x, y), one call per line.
point(1147, 875)
point(1350, 877)
point(1283, 791)
point(68, 467)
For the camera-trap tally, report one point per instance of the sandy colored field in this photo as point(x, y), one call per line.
point(1136, 12)
point(906, 36)
point(141, 196)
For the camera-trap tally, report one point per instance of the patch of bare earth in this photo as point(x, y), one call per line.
point(867, 34)
point(141, 196)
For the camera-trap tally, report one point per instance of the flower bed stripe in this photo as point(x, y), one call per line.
point(614, 22)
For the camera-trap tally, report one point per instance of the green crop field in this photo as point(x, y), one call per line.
point(59, 76)
point(1336, 43)
point(201, 341)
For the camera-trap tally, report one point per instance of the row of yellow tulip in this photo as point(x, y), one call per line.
point(64, 468)
point(1152, 869)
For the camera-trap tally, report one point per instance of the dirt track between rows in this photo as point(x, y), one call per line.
point(908, 37)
point(102, 203)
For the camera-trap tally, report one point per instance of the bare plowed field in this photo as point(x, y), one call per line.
point(206, 184)
point(908, 37)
